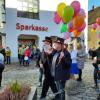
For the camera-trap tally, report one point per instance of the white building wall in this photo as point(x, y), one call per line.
point(46, 20)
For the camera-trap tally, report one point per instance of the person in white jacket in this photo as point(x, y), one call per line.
point(1, 67)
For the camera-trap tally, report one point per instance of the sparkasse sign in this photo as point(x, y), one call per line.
point(32, 27)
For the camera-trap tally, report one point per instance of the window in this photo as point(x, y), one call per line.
point(28, 9)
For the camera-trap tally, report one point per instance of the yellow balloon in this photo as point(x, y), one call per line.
point(60, 8)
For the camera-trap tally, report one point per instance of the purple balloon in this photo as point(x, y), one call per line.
point(82, 27)
point(57, 19)
point(94, 26)
point(70, 25)
point(76, 7)
point(66, 35)
point(82, 12)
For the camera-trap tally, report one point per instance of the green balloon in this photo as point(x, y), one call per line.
point(67, 13)
point(63, 28)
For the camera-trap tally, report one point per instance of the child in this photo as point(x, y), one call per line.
point(26, 59)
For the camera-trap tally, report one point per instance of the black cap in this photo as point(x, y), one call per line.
point(48, 39)
point(59, 40)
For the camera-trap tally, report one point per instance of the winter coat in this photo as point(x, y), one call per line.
point(62, 68)
point(27, 52)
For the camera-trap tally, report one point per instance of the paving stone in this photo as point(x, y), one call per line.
point(30, 75)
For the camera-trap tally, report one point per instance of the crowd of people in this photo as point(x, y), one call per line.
point(58, 63)
point(25, 53)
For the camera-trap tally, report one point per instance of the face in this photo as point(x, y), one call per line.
point(46, 46)
point(46, 43)
point(65, 46)
point(57, 46)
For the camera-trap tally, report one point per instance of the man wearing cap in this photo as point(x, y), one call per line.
point(45, 62)
point(60, 69)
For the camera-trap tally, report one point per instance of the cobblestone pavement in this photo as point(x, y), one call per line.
point(74, 90)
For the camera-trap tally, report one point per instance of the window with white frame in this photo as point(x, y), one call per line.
point(28, 8)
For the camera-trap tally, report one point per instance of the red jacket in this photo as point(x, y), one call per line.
point(27, 52)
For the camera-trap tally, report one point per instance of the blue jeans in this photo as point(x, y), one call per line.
point(27, 62)
point(8, 59)
point(61, 86)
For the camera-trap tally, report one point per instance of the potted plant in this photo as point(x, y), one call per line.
point(15, 91)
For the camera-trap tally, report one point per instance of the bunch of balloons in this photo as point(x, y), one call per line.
point(96, 27)
point(72, 17)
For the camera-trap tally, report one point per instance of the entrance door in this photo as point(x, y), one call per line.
point(28, 40)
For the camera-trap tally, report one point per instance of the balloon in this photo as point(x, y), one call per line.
point(78, 21)
point(82, 27)
point(76, 33)
point(67, 13)
point(93, 31)
point(57, 19)
point(98, 21)
point(70, 26)
point(94, 26)
point(66, 35)
point(63, 28)
point(60, 8)
point(63, 21)
point(76, 6)
point(82, 12)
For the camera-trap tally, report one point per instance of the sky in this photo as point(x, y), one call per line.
point(93, 2)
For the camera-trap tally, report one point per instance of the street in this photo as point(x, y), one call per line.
point(74, 90)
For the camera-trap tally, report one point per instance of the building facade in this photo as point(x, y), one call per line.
point(2, 24)
point(27, 31)
point(92, 36)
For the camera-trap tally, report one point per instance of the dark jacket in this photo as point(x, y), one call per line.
point(45, 59)
point(98, 55)
point(62, 69)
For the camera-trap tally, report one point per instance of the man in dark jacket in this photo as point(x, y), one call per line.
point(45, 62)
point(97, 65)
point(60, 68)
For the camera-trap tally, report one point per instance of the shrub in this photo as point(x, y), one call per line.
point(15, 91)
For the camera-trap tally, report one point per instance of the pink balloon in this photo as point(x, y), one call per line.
point(76, 6)
point(82, 12)
point(82, 27)
point(98, 20)
point(98, 27)
point(57, 19)
point(66, 35)
point(94, 26)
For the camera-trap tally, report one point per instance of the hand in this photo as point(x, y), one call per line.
point(41, 65)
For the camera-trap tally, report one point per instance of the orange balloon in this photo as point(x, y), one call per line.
point(78, 21)
point(76, 33)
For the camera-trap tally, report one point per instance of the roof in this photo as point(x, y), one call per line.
point(92, 15)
